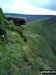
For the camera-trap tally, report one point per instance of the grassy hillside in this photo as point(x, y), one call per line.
point(28, 58)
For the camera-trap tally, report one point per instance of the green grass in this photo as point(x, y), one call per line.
point(39, 50)
point(42, 39)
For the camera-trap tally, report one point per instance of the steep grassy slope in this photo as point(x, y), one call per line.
point(42, 36)
point(13, 54)
point(39, 50)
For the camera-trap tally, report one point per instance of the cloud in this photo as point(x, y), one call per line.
point(7, 8)
point(47, 4)
point(21, 6)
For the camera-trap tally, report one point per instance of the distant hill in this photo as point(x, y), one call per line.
point(28, 17)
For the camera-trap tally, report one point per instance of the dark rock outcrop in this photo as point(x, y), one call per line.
point(17, 21)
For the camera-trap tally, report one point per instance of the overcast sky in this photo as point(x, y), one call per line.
point(38, 7)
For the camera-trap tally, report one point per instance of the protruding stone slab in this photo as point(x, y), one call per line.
point(17, 21)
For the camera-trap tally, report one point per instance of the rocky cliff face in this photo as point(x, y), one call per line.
point(17, 21)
